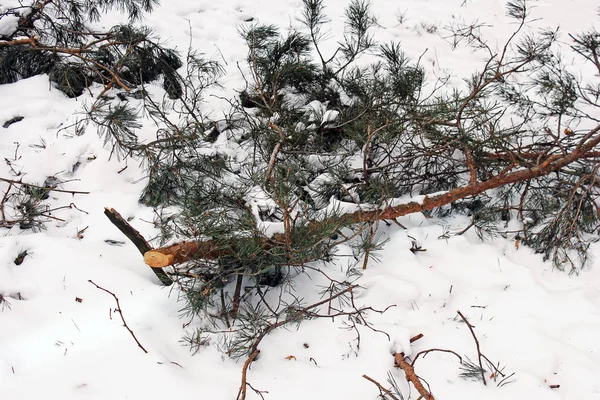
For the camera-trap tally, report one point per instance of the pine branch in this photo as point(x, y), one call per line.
point(182, 252)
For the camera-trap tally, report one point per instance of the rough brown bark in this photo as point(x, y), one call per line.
point(185, 251)
point(411, 376)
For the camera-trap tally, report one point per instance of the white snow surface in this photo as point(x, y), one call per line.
point(8, 25)
point(540, 323)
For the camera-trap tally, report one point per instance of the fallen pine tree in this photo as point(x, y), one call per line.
point(322, 149)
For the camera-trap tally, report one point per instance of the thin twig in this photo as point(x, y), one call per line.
point(294, 316)
point(381, 388)
point(120, 313)
point(49, 189)
point(236, 297)
point(425, 352)
point(479, 355)
point(258, 392)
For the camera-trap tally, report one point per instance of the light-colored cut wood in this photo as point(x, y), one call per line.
point(156, 259)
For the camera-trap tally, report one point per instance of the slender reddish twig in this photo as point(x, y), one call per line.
point(381, 388)
point(121, 314)
point(242, 392)
point(479, 355)
point(294, 317)
point(425, 352)
point(415, 338)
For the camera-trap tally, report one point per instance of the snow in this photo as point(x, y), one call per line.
point(540, 323)
point(8, 25)
point(317, 110)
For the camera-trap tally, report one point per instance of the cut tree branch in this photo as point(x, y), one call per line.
point(182, 252)
point(381, 388)
point(137, 239)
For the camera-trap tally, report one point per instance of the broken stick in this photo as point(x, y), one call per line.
point(137, 239)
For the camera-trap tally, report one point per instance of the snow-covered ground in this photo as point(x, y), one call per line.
point(539, 323)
